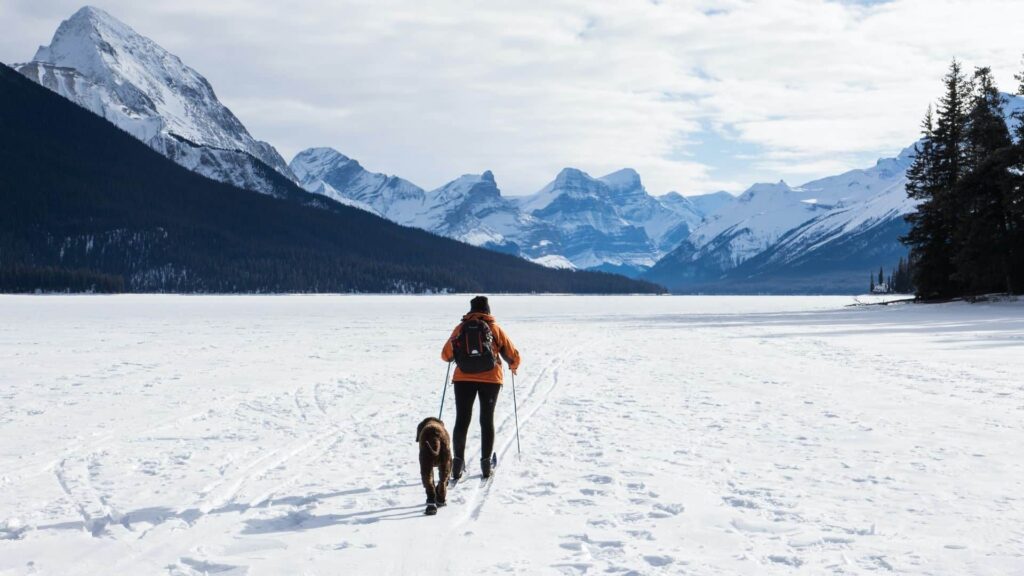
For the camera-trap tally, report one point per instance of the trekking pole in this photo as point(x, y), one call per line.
point(444, 390)
point(515, 409)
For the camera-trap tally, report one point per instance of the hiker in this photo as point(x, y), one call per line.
point(477, 346)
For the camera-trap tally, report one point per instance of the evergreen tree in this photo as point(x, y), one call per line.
point(925, 238)
point(1018, 115)
point(950, 145)
point(980, 197)
point(986, 130)
point(900, 281)
point(939, 163)
point(1014, 199)
point(881, 276)
point(872, 289)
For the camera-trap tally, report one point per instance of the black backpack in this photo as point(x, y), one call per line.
point(473, 347)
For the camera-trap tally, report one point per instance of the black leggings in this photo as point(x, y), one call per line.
point(465, 395)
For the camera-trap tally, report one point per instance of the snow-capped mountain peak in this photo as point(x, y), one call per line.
point(625, 179)
point(705, 204)
point(331, 173)
point(314, 162)
point(144, 77)
point(854, 216)
point(75, 37)
point(572, 181)
point(475, 187)
point(102, 64)
point(761, 189)
point(472, 209)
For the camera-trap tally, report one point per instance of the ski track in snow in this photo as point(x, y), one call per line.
point(660, 435)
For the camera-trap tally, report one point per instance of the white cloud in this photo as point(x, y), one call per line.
point(431, 90)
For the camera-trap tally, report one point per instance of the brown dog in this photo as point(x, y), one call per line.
point(435, 450)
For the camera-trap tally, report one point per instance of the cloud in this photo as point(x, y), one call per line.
point(804, 88)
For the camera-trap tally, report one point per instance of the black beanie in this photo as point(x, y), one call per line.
point(479, 304)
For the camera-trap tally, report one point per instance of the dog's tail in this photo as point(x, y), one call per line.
point(434, 448)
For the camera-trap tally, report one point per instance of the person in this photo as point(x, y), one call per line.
point(485, 384)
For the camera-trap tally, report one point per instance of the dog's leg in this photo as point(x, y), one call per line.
point(427, 473)
point(442, 493)
point(444, 472)
point(427, 476)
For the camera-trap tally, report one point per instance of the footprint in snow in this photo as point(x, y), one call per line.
point(737, 502)
point(787, 560)
point(666, 510)
point(658, 560)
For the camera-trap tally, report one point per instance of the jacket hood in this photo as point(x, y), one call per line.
point(479, 316)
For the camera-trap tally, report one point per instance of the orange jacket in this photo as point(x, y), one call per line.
point(502, 344)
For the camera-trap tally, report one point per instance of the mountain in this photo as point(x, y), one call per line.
point(472, 209)
point(774, 237)
point(610, 222)
point(706, 204)
point(821, 236)
point(575, 221)
point(666, 221)
point(103, 65)
point(328, 172)
point(87, 206)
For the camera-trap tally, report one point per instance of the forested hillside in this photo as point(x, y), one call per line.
point(88, 207)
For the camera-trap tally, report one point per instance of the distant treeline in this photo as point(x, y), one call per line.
point(20, 278)
point(967, 236)
point(899, 281)
point(88, 208)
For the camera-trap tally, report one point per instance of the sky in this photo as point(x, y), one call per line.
point(696, 96)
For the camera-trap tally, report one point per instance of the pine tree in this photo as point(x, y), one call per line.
point(949, 139)
point(1014, 200)
point(985, 131)
point(939, 163)
point(980, 197)
point(901, 278)
point(872, 290)
point(925, 237)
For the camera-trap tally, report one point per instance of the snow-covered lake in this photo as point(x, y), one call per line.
point(697, 435)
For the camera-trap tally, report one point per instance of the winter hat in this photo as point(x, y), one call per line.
point(480, 304)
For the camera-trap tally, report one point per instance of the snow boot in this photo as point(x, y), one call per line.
point(487, 465)
point(457, 466)
point(431, 507)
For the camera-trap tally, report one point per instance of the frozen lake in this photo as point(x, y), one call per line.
point(697, 435)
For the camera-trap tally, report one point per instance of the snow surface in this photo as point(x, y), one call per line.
point(660, 435)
